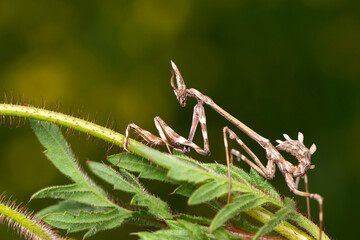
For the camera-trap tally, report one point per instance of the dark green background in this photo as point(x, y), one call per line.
point(280, 66)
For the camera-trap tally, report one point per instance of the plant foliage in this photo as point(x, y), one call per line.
point(83, 190)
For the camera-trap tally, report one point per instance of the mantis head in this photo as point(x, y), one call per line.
point(180, 87)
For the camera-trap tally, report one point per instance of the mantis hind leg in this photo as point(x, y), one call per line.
point(290, 182)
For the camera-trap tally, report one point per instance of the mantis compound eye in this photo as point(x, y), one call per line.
point(182, 97)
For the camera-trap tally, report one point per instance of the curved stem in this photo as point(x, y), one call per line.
point(285, 229)
point(64, 120)
point(25, 225)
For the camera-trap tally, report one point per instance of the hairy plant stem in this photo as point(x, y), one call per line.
point(260, 214)
point(285, 229)
point(24, 224)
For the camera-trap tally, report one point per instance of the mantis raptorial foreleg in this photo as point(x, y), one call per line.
point(199, 116)
point(168, 137)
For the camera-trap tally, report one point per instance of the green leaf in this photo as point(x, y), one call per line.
point(179, 230)
point(181, 168)
point(222, 234)
point(277, 219)
point(57, 150)
point(59, 153)
point(263, 184)
point(145, 218)
point(168, 235)
point(194, 229)
point(212, 190)
point(74, 192)
point(182, 229)
point(241, 222)
point(176, 231)
point(193, 219)
point(70, 206)
point(147, 169)
point(93, 222)
point(179, 154)
point(189, 170)
point(185, 189)
point(84, 190)
point(240, 203)
point(304, 222)
point(208, 192)
point(236, 172)
point(126, 182)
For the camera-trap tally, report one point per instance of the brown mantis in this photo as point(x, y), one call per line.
point(170, 138)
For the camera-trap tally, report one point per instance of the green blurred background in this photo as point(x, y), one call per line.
point(280, 66)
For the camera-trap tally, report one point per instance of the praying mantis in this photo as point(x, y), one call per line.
point(296, 148)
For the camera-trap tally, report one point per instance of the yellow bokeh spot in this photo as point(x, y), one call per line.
point(39, 76)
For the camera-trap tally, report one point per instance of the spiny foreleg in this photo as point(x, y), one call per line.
point(168, 137)
point(199, 116)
